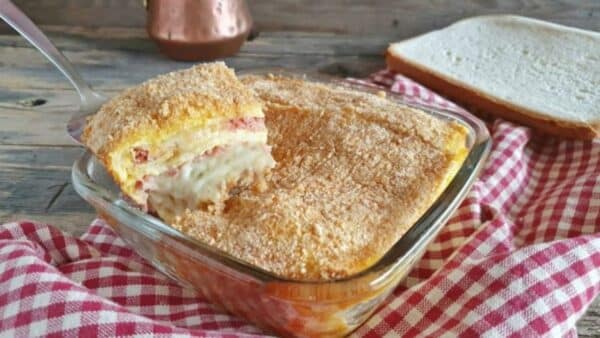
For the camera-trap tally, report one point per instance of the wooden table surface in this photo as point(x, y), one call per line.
point(35, 102)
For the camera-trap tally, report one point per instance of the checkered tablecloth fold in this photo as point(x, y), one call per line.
point(519, 258)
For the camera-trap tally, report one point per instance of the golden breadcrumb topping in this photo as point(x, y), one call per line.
point(182, 99)
point(354, 172)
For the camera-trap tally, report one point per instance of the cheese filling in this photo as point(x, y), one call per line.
point(153, 159)
point(206, 179)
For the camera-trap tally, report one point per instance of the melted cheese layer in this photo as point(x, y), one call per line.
point(176, 151)
point(206, 179)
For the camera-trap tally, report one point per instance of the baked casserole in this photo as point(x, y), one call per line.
point(354, 172)
point(287, 257)
point(343, 174)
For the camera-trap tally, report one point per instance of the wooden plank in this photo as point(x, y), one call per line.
point(35, 183)
point(37, 126)
point(409, 18)
point(94, 13)
point(401, 18)
point(107, 73)
point(24, 190)
point(36, 157)
point(45, 195)
point(118, 64)
point(280, 42)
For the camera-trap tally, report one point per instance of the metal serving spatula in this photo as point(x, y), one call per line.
point(90, 99)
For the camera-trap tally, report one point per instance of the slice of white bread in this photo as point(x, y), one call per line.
point(540, 74)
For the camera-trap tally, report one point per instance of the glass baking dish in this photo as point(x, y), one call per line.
point(287, 307)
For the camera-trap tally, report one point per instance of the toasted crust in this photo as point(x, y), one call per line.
point(354, 172)
point(162, 107)
point(187, 98)
point(480, 101)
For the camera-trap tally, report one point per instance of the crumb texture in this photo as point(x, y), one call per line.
point(169, 102)
point(354, 172)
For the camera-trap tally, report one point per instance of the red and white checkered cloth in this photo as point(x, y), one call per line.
point(520, 258)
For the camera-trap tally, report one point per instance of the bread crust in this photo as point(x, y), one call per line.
point(479, 101)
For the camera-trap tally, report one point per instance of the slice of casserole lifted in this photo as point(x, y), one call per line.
point(354, 172)
point(182, 140)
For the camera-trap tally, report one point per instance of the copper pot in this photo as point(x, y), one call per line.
point(194, 30)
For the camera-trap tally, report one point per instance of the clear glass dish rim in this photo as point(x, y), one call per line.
point(426, 227)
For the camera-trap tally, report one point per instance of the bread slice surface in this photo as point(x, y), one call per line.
point(533, 72)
